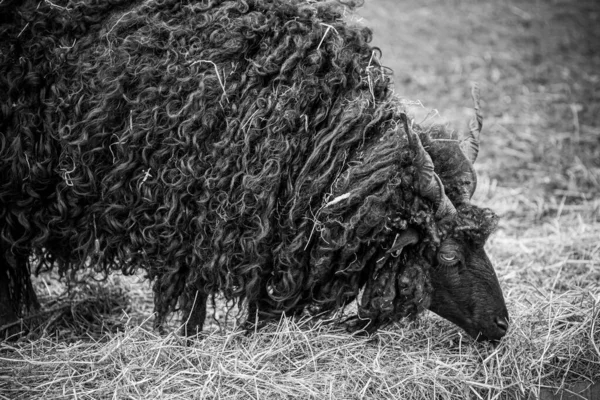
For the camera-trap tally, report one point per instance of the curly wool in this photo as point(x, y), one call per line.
point(243, 147)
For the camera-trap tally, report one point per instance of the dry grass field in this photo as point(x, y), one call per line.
point(538, 67)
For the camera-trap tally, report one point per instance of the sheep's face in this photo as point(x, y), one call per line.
point(465, 287)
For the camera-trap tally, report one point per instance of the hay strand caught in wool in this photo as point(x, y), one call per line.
point(337, 199)
point(216, 72)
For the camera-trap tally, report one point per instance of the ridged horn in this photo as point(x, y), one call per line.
point(471, 143)
point(473, 179)
point(428, 183)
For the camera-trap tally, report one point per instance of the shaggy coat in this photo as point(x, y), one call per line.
point(251, 148)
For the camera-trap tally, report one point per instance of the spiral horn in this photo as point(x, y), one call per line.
point(428, 183)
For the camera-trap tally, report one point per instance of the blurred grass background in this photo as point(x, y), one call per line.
point(538, 65)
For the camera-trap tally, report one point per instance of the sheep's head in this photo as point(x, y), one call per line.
point(465, 287)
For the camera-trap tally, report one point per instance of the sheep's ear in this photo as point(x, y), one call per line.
point(406, 238)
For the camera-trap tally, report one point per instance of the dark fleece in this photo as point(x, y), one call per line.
point(246, 147)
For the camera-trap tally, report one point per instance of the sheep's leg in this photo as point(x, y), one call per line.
point(193, 306)
point(168, 290)
point(16, 292)
point(257, 317)
point(7, 309)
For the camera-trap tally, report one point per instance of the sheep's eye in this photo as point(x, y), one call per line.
point(448, 258)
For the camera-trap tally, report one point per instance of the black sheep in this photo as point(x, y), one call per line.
point(250, 148)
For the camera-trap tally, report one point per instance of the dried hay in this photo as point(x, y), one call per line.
point(553, 340)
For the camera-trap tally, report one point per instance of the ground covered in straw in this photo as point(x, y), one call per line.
point(537, 64)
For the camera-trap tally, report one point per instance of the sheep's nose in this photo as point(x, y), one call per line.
point(501, 324)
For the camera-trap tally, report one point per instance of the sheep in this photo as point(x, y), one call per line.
point(252, 148)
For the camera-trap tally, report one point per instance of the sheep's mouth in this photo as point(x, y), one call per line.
point(472, 329)
point(479, 335)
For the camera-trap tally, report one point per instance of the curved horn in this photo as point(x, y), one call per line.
point(471, 143)
point(473, 182)
point(470, 146)
point(429, 183)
